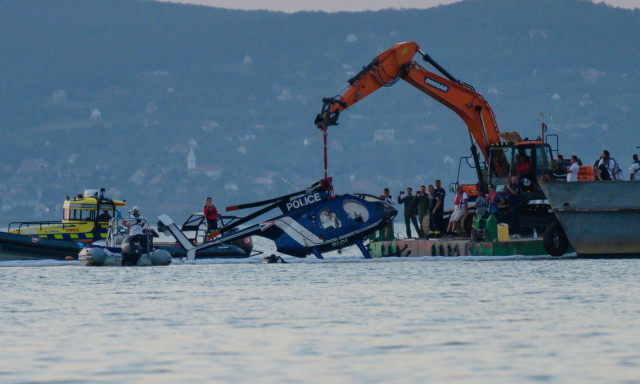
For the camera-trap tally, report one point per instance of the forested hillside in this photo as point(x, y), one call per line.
point(118, 93)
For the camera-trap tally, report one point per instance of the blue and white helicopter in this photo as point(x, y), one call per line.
point(313, 221)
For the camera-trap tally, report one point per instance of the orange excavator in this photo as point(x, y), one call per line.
point(501, 151)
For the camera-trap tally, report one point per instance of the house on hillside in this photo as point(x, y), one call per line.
point(95, 114)
point(384, 135)
point(212, 171)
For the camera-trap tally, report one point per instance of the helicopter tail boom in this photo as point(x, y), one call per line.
point(172, 228)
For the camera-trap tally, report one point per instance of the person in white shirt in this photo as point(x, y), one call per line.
point(136, 225)
point(386, 196)
point(635, 169)
point(459, 210)
point(572, 170)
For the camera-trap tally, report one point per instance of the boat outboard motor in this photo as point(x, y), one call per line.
point(130, 250)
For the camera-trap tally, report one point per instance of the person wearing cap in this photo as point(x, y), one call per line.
point(136, 226)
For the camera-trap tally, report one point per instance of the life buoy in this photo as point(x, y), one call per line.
point(555, 240)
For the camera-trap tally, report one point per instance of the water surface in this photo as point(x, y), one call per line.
point(445, 320)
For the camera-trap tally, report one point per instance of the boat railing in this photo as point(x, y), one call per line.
point(117, 232)
point(196, 229)
point(39, 224)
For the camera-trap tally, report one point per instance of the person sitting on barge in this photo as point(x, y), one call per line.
point(459, 210)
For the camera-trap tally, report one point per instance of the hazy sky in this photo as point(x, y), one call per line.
point(350, 5)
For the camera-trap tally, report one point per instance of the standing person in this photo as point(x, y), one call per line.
point(422, 205)
point(602, 171)
point(614, 171)
point(480, 206)
point(386, 196)
point(435, 212)
point(493, 199)
point(440, 212)
point(561, 162)
point(561, 166)
point(136, 225)
point(635, 169)
point(513, 192)
point(211, 214)
point(409, 211)
point(573, 169)
point(431, 193)
point(440, 190)
point(388, 229)
point(459, 210)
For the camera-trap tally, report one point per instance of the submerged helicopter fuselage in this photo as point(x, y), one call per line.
point(315, 223)
point(312, 221)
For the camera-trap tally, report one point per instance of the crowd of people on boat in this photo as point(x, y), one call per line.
point(429, 200)
point(605, 168)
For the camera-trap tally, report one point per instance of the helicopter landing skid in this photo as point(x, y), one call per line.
point(317, 253)
point(362, 248)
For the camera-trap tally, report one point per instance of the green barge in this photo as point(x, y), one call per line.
point(457, 247)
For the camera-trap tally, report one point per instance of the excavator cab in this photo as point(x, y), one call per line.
point(524, 159)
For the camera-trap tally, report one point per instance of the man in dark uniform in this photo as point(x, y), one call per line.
point(435, 212)
point(422, 205)
point(440, 190)
point(410, 211)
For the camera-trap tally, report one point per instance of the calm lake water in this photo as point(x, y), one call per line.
point(345, 320)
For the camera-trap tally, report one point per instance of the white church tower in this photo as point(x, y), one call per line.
point(191, 161)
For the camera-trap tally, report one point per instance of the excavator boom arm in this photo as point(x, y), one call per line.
point(397, 63)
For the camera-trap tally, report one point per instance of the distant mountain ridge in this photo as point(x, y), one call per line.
point(240, 89)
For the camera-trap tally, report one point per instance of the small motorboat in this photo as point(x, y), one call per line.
point(196, 231)
point(85, 218)
point(120, 249)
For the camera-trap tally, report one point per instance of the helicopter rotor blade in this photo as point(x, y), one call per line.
point(275, 199)
point(245, 219)
point(260, 203)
